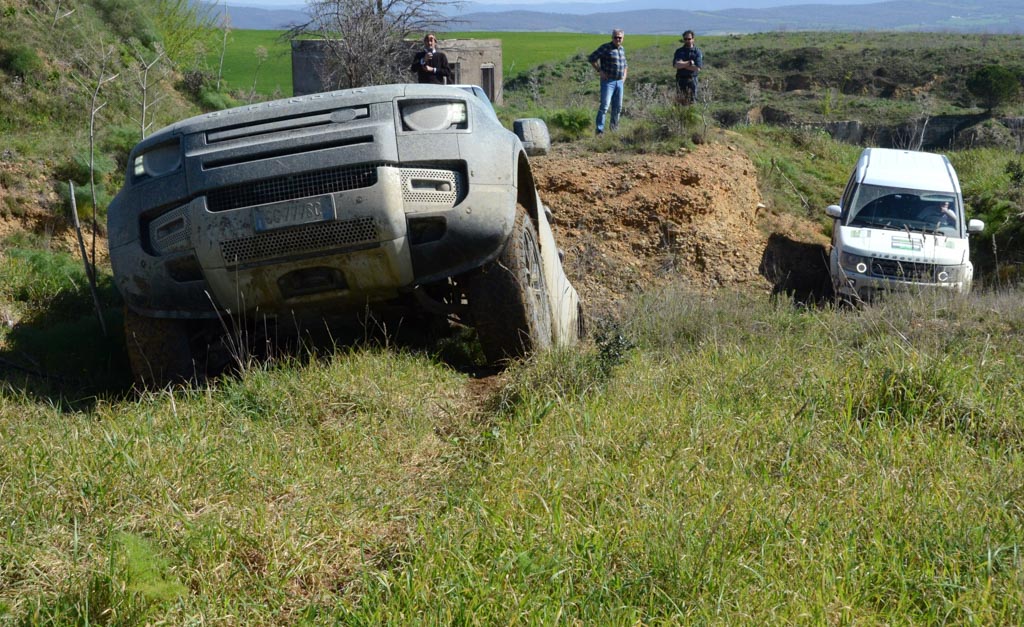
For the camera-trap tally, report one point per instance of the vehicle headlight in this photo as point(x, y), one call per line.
point(157, 161)
point(949, 274)
point(855, 263)
point(433, 115)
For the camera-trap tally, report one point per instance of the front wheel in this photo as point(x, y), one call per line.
point(508, 297)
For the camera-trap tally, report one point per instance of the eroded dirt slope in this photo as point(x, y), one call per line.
point(633, 222)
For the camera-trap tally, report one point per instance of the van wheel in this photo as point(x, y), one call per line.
point(508, 297)
point(158, 350)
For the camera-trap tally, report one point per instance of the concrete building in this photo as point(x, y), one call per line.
point(473, 61)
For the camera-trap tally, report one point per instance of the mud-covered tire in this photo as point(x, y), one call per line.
point(158, 350)
point(508, 297)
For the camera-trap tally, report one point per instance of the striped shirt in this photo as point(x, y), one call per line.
point(613, 60)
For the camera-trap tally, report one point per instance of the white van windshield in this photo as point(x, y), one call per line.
point(883, 207)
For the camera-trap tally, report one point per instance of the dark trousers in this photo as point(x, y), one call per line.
point(688, 87)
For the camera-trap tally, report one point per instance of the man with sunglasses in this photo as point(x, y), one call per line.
point(688, 61)
point(610, 62)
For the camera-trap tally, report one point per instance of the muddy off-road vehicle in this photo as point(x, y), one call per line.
point(397, 202)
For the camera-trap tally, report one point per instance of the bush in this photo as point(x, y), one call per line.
point(127, 20)
point(574, 122)
point(119, 141)
point(195, 82)
point(212, 100)
point(993, 85)
point(20, 61)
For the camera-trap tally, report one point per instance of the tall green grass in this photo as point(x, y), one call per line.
point(728, 459)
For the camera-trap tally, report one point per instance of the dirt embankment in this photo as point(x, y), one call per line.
point(633, 222)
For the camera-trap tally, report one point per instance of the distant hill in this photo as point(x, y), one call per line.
point(251, 18)
point(993, 16)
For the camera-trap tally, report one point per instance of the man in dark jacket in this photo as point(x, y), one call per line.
point(688, 61)
point(430, 64)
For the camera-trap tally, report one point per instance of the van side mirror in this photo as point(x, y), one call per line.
point(834, 211)
point(975, 226)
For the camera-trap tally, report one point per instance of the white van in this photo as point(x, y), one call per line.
point(899, 224)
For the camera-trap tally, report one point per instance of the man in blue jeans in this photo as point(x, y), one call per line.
point(610, 62)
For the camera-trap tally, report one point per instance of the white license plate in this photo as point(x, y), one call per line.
point(293, 213)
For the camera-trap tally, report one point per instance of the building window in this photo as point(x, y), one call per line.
point(487, 79)
point(456, 73)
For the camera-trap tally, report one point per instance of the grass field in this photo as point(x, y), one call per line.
point(520, 52)
point(724, 460)
point(242, 63)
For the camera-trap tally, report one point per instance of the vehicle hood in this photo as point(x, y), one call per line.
point(910, 246)
point(298, 106)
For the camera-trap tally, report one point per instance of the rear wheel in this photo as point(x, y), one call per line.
point(158, 350)
point(509, 297)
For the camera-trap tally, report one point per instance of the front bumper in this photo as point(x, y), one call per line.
point(852, 284)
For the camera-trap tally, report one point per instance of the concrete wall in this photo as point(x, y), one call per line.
point(474, 61)
point(479, 63)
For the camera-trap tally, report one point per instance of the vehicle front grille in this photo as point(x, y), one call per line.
point(293, 186)
point(299, 241)
point(903, 270)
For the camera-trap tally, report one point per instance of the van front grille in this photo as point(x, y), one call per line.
point(903, 270)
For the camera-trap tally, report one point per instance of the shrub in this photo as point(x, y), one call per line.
point(574, 122)
point(20, 60)
point(213, 100)
point(993, 85)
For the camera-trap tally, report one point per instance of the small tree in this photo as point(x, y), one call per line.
point(365, 39)
point(261, 58)
point(148, 72)
point(993, 85)
point(225, 23)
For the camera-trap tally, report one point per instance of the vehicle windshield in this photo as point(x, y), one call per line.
point(884, 207)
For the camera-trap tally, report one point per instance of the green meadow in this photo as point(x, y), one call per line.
point(273, 75)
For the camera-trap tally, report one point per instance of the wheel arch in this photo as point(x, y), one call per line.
point(526, 187)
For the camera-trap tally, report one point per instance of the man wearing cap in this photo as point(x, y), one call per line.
point(610, 62)
point(688, 61)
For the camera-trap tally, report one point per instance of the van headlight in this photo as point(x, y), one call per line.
point(855, 263)
point(157, 161)
point(949, 274)
point(433, 115)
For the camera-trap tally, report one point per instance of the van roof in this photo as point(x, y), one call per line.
point(908, 169)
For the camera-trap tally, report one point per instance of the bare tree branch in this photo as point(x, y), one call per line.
point(366, 40)
point(144, 80)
